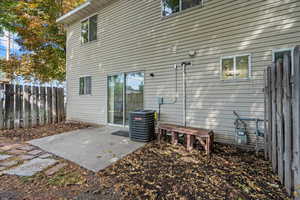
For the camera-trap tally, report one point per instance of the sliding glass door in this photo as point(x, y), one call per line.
point(116, 99)
point(125, 94)
point(134, 93)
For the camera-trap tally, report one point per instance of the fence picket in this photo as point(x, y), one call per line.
point(283, 100)
point(287, 113)
point(279, 122)
point(274, 127)
point(54, 105)
point(296, 124)
point(2, 96)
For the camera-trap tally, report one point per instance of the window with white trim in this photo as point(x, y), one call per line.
point(89, 29)
point(170, 7)
point(85, 85)
point(235, 67)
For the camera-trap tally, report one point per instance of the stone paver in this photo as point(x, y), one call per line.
point(2, 168)
point(16, 151)
point(26, 157)
point(35, 152)
point(26, 147)
point(32, 167)
point(55, 169)
point(8, 163)
point(4, 157)
point(9, 147)
point(47, 155)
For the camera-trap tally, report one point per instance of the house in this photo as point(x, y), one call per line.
point(119, 46)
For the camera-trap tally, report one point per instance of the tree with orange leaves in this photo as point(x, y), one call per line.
point(40, 37)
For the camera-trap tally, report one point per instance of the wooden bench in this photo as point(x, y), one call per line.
point(205, 137)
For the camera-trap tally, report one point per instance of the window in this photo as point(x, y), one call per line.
point(173, 6)
point(85, 85)
point(235, 67)
point(89, 29)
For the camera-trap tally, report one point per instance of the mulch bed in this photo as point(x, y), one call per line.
point(164, 171)
point(42, 131)
point(158, 171)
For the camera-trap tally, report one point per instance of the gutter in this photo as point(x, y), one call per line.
point(73, 12)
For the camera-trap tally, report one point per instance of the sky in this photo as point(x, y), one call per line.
point(15, 48)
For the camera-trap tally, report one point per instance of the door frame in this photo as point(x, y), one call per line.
point(124, 96)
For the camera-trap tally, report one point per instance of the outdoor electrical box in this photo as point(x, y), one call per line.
point(241, 137)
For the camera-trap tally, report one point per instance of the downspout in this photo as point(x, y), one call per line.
point(184, 92)
point(184, 65)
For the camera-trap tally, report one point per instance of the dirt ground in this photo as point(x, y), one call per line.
point(41, 131)
point(157, 171)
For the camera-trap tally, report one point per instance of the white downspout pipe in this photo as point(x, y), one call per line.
point(184, 92)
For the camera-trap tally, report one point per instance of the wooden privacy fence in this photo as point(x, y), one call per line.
point(282, 112)
point(23, 106)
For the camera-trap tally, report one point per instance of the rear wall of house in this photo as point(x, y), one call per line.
point(132, 36)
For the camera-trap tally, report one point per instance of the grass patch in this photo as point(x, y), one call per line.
point(63, 178)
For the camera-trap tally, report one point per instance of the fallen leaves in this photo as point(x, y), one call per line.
point(164, 171)
point(42, 131)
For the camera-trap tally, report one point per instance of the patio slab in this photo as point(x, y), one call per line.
point(30, 168)
point(92, 148)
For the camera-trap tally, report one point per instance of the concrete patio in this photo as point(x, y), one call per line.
point(92, 148)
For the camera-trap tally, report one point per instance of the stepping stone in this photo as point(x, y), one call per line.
point(4, 157)
point(32, 167)
point(10, 146)
point(2, 168)
point(35, 152)
point(16, 151)
point(8, 163)
point(47, 155)
point(55, 169)
point(26, 157)
point(26, 147)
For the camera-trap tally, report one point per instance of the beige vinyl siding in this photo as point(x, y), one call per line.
point(132, 36)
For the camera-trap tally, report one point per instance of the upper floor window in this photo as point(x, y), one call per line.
point(173, 6)
point(89, 29)
point(235, 67)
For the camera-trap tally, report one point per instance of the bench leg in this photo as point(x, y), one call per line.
point(159, 135)
point(190, 139)
point(211, 142)
point(174, 138)
point(208, 146)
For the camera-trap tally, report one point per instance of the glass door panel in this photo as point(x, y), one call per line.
point(115, 99)
point(134, 97)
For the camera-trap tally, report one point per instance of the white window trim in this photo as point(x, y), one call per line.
point(180, 8)
point(84, 76)
point(234, 67)
point(292, 50)
point(88, 19)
